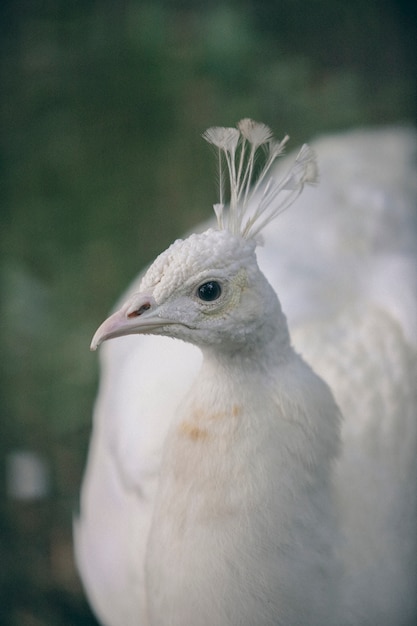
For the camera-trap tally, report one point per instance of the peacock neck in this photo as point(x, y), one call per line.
point(245, 441)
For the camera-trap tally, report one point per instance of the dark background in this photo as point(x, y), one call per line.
point(102, 105)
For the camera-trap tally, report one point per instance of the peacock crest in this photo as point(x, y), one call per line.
point(256, 196)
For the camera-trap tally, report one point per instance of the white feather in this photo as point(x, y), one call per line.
point(343, 262)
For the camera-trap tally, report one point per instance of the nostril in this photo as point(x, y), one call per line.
point(145, 307)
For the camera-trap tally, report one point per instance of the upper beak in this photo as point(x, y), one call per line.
point(137, 315)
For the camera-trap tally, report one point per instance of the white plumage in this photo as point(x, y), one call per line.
point(219, 491)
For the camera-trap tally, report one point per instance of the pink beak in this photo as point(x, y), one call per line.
point(137, 316)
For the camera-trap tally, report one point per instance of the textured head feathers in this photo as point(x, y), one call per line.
point(256, 199)
point(212, 250)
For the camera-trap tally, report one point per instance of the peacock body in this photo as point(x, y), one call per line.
point(222, 485)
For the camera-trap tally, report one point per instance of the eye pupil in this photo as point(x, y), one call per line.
point(209, 291)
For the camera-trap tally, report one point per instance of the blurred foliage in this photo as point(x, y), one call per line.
point(102, 105)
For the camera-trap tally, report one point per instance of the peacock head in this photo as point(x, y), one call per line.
point(208, 289)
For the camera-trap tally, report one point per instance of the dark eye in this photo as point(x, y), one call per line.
point(209, 291)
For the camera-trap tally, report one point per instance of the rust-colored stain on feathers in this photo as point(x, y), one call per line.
point(193, 428)
point(193, 432)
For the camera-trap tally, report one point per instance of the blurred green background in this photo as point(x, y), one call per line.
point(102, 105)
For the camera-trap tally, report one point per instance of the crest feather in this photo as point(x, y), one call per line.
point(256, 199)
